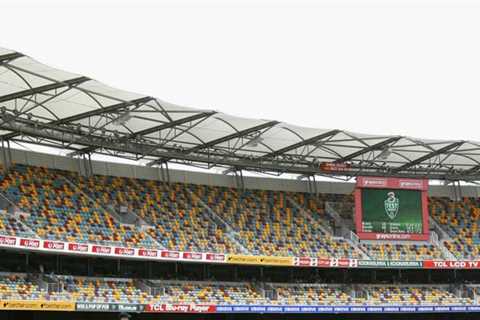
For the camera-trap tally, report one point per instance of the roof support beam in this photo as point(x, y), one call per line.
point(158, 128)
point(472, 170)
point(99, 111)
point(377, 146)
point(48, 87)
point(69, 136)
point(237, 134)
point(10, 56)
point(87, 114)
point(302, 143)
point(428, 156)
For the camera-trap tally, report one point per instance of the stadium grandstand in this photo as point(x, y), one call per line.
point(85, 237)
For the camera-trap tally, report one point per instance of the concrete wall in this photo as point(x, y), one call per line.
point(142, 172)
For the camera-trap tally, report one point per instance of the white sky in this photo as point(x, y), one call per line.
point(384, 67)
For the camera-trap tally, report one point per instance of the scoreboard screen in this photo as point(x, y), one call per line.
point(391, 209)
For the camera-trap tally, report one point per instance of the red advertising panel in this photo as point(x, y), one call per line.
point(78, 247)
point(30, 243)
point(215, 257)
point(192, 256)
point(180, 308)
point(125, 251)
point(101, 249)
point(147, 253)
point(170, 254)
point(448, 264)
point(54, 245)
point(391, 208)
point(8, 241)
point(303, 261)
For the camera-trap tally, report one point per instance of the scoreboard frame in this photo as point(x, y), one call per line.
point(394, 184)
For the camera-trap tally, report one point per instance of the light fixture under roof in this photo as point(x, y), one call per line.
point(386, 152)
point(255, 141)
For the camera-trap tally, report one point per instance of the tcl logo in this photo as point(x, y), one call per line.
point(30, 243)
point(53, 245)
point(181, 308)
point(78, 247)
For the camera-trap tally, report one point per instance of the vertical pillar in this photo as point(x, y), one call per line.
point(6, 155)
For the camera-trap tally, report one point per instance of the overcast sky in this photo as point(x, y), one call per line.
point(383, 67)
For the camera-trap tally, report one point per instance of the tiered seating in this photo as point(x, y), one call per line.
point(10, 226)
point(115, 290)
point(461, 221)
point(20, 287)
point(17, 287)
point(401, 251)
point(103, 290)
point(408, 295)
point(59, 211)
point(265, 222)
point(210, 293)
point(180, 222)
point(310, 294)
point(270, 225)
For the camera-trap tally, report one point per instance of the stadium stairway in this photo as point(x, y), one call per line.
point(11, 225)
point(215, 218)
point(10, 220)
point(132, 219)
point(306, 212)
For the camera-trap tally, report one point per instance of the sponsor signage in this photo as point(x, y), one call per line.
point(304, 261)
point(109, 307)
point(8, 241)
point(37, 305)
point(30, 243)
point(170, 254)
point(334, 166)
point(192, 256)
point(53, 245)
point(101, 249)
point(447, 264)
point(122, 307)
point(260, 260)
point(196, 308)
point(389, 264)
point(344, 309)
point(49, 245)
point(57, 306)
point(337, 263)
point(215, 257)
point(392, 183)
point(78, 247)
point(87, 306)
point(147, 253)
point(125, 251)
point(180, 308)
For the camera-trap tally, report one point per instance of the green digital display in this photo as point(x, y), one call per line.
point(392, 211)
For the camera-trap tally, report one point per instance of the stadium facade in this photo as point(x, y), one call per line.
point(91, 237)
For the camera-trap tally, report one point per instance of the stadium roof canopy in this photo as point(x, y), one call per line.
point(42, 105)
